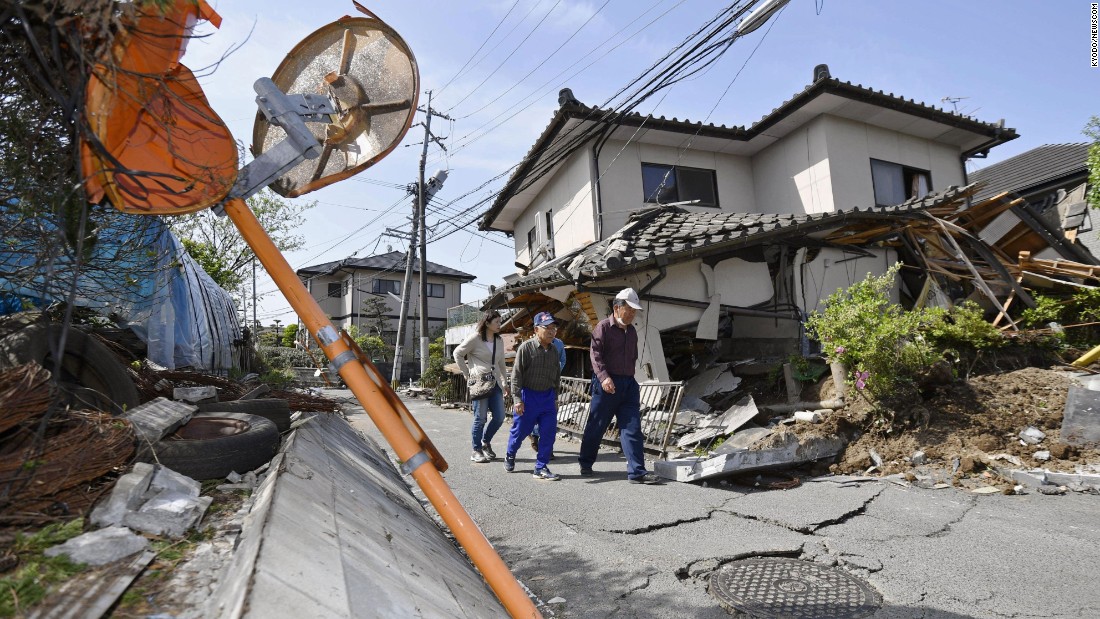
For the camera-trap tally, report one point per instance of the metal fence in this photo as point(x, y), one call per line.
point(660, 401)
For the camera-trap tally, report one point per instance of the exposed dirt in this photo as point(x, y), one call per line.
point(961, 426)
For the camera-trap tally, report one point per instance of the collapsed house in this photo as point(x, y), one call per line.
point(734, 236)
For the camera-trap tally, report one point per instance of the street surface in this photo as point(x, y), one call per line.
point(610, 548)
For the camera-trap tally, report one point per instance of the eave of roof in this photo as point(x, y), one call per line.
point(996, 132)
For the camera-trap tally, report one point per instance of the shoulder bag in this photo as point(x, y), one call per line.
point(481, 382)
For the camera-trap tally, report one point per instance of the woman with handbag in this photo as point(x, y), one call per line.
point(481, 359)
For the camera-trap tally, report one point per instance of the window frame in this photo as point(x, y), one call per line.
point(679, 183)
point(907, 174)
point(394, 288)
point(442, 291)
point(336, 293)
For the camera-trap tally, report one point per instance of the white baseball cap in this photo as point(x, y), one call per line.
point(631, 298)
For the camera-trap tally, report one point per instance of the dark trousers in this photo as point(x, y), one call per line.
point(624, 407)
point(540, 409)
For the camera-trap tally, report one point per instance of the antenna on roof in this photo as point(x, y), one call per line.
point(954, 101)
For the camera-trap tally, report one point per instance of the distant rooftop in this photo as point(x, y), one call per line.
point(392, 261)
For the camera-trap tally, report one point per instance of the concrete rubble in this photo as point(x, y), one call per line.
point(195, 395)
point(777, 450)
point(154, 500)
point(101, 546)
point(158, 418)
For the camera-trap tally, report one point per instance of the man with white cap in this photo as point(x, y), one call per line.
point(615, 393)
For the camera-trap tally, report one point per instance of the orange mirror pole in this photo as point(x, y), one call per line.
point(372, 394)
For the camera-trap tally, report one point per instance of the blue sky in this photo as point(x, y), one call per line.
point(1024, 61)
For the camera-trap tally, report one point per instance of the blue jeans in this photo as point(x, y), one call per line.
point(540, 409)
point(494, 403)
point(624, 406)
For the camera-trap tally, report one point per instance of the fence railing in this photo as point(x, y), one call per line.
point(660, 401)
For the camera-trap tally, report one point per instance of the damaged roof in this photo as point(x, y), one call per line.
point(567, 130)
point(1032, 170)
point(392, 261)
point(674, 234)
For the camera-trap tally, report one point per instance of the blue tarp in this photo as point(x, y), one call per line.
point(137, 273)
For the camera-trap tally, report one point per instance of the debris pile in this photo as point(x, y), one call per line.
point(53, 461)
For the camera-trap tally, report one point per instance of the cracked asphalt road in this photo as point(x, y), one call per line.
point(615, 549)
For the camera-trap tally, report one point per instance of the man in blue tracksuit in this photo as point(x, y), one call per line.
point(615, 393)
point(535, 378)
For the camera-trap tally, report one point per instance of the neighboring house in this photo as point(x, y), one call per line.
point(1054, 222)
point(731, 235)
point(341, 287)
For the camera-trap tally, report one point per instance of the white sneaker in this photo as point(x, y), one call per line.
point(478, 457)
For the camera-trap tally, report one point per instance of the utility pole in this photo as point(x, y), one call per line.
point(403, 315)
point(422, 198)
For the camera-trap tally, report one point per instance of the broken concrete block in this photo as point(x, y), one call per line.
point(698, 436)
point(158, 418)
point(1007, 458)
point(807, 416)
point(1032, 435)
point(1030, 479)
point(195, 395)
point(168, 514)
point(743, 439)
point(713, 380)
point(1041, 456)
point(787, 451)
point(986, 490)
point(918, 458)
point(736, 416)
point(1051, 490)
point(101, 546)
point(167, 480)
point(257, 392)
point(127, 495)
point(1078, 482)
point(1081, 417)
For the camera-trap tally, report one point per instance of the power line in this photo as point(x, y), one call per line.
point(480, 47)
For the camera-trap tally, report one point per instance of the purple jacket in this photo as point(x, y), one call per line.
point(614, 350)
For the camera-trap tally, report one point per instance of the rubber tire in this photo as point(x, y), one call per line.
point(275, 409)
point(86, 362)
point(214, 458)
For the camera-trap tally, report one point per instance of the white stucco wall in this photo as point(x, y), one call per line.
point(569, 197)
point(852, 145)
point(834, 269)
point(621, 179)
point(794, 175)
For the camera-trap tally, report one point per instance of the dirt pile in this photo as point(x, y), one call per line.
point(961, 427)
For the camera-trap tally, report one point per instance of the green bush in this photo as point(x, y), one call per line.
point(279, 358)
point(887, 348)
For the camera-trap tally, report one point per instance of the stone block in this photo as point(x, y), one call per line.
point(1032, 435)
point(127, 495)
point(167, 480)
point(169, 514)
point(101, 546)
point(158, 418)
point(195, 395)
point(1081, 417)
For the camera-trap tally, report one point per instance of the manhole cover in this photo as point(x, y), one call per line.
point(791, 589)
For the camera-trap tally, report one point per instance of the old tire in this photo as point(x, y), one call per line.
point(212, 445)
point(91, 375)
point(275, 409)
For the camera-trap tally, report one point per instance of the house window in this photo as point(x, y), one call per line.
point(382, 286)
point(665, 184)
point(531, 236)
point(336, 289)
point(550, 226)
point(895, 183)
point(437, 290)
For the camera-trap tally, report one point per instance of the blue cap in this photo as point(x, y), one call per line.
point(543, 319)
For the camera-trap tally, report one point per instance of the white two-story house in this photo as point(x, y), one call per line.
point(717, 226)
point(342, 288)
